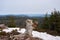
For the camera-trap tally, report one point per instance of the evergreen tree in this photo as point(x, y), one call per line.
point(45, 24)
point(55, 21)
point(11, 22)
point(52, 22)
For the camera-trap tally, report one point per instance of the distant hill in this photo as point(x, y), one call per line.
point(20, 19)
point(29, 15)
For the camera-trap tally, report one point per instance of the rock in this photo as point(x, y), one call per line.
point(33, 38)
point(38, 38)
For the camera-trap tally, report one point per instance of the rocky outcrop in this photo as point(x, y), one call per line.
point(23, 37)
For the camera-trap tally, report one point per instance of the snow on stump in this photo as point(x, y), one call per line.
point(30, 25)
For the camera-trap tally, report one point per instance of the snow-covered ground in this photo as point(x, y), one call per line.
point(42, 35)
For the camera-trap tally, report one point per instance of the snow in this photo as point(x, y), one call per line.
point(10, 29)
point(45, 36)
point(42, 35)
point(22, 30)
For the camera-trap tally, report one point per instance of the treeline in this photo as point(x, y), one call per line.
point(51, 22)
point(13, 20)
point(17, 20)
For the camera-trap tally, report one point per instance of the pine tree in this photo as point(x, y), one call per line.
point(11, 22)
point(55, 21)
point(45, 24)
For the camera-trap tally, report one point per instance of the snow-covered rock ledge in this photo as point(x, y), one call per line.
point(42, 35)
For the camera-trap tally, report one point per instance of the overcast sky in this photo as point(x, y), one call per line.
point(28, 6)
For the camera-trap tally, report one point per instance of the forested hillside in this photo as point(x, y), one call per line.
point(17, 20)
